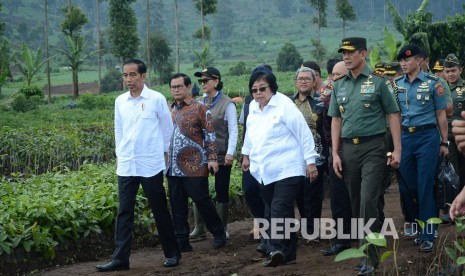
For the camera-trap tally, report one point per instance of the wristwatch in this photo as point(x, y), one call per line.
point(445, 144)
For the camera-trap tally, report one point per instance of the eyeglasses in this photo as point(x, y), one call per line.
point(304, 79)
point(204, 81)
point(261, 89)
point(177, 87)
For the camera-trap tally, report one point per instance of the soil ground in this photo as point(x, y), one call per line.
point(240, 258)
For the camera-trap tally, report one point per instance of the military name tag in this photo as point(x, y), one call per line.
point(367, 89)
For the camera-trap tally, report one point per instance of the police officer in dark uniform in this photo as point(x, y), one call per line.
point(422, 103)
point(453, 70)
point(359, 105)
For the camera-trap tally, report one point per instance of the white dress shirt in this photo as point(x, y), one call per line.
point(231, 118)
point(143, 129)
point(278, 141)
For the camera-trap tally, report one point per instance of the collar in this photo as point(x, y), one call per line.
point(366, 71)
point(296, 96)
point(144, 94)
point(183, 103)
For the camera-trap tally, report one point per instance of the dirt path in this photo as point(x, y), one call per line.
point(240, 258)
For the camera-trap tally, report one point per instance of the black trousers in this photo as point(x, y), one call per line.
point(180, 188)
point(222, 178)
point(155, 193)
point(251, 189)
point(340, 202)
point(279, 200)
point(310, 200)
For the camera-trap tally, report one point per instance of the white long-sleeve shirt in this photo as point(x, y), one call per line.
point(143, 128)
point(231, 117)
point(278, 141)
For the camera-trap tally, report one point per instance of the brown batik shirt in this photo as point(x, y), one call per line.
point(193, 142)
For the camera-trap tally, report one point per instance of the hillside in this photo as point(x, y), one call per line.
point(248, 30)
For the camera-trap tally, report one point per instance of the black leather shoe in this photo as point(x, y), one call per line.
point(219, 241)
point(171, 262)
point(114, 265)
point(274, 259)
point(426, 246)
point(335, 249)
point(366, 270)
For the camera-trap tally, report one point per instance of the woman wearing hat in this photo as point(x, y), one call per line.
point(224, 115)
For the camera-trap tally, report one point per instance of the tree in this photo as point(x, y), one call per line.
point(318, 51)
point(389, 49)
point(289, 59)
point(204, 8)
point(160, 52)
point(346, 12)
point(123, 29)
point(29, 63)
point(204, 58)
point(73, 22)
point(49, 88)
point(2, 25)
point(4, 62)
point(75, 58)
point(71, 28)
point(4, 56)
point(321, 7)
point(176, 8)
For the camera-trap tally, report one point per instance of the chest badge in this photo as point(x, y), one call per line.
point(424, 85)
point(341, 109)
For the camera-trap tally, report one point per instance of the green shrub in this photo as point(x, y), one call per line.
point(21, 104)
point(238, 69)
point(112, 81)
point(90, 102)
point(32, 90)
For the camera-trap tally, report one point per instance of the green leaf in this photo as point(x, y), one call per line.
point(376, 239)
point(461, 260)
point(459, 247)
point(351, 253)
point(434, 221)
point(374, 57)
point(450, 253)
point(385, 255)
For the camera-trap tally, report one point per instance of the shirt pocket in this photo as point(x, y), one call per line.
point(148, 114)
point(342, 98)
point(368, 100)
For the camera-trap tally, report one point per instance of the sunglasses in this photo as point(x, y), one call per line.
point(204, 81)
point(261, 89)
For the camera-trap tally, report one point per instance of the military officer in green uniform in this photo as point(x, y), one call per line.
point(359, 105)
point(453, 70)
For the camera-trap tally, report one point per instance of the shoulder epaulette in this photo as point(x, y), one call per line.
point(339, 77)
point(377, 73)
point(433, 77)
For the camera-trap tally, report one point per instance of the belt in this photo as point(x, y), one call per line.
point(362, 139)
point(418, 128)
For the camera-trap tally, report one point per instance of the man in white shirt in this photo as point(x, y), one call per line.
point(143, 129)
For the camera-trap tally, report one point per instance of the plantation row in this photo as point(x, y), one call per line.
point(40, 212)
point(34, 151)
